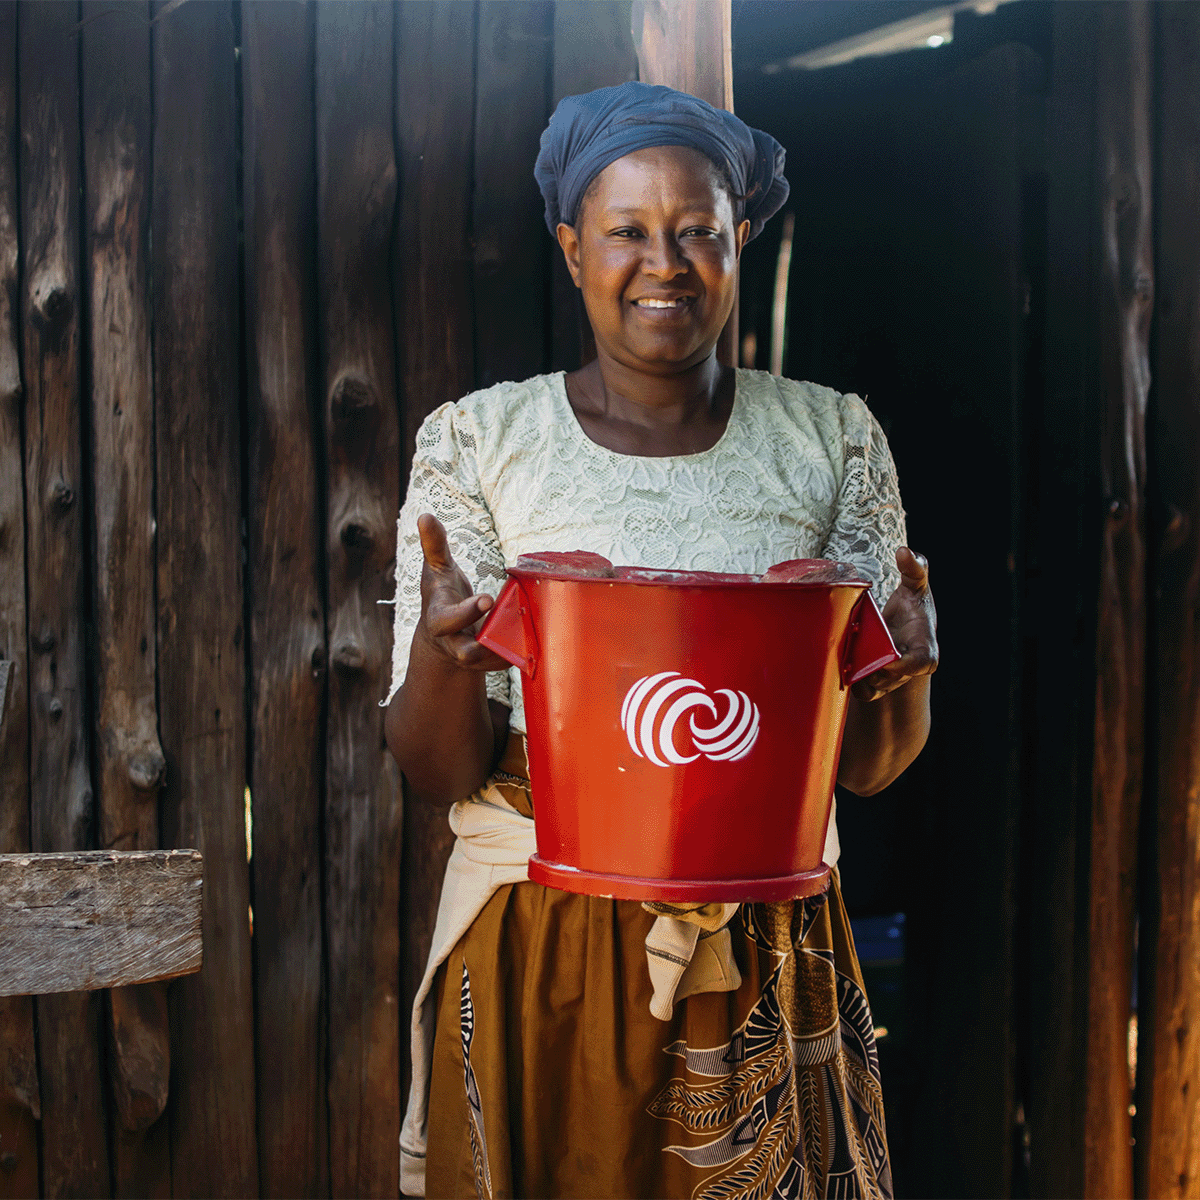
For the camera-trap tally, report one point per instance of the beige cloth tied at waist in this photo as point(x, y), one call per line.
point(688, 949)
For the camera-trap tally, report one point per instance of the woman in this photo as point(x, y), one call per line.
point(558, 1048)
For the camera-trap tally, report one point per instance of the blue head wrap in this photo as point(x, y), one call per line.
point(588, 132)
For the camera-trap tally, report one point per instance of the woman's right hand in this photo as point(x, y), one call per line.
point(450, 610)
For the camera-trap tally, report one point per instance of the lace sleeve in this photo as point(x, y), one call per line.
point(868, 524)
point(445, 482)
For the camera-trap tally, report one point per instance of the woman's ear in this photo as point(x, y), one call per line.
point(568, 239)
point(741, 236)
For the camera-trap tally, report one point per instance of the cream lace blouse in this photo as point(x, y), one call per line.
point(801, 471)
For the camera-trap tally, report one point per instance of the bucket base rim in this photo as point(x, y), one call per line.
point(630, 887)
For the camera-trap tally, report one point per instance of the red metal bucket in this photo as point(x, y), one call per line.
point(684, 727)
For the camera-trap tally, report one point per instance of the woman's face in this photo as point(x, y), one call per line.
point(654, 251)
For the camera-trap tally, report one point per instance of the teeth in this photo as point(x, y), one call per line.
point(660, 303)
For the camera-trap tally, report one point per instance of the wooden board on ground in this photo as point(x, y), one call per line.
point(201, 657)
point(98, 918)
point(356, 197)
point(287, 612)
point(73, 1133)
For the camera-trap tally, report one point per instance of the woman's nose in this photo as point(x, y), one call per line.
point(664, 258)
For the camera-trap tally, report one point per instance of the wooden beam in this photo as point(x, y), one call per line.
point(20, 1096)
point(356, 198)
point(97, 919)
point(201, 650)
point(74, 1138)
point(688, 45)
point(1126, 291)
point(287, 609)
point(434, 290)
point(1090, 583)
point(1167, 1126)
point(115, 60)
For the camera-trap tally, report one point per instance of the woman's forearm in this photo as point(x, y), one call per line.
point(883, 737)
point(441, 729)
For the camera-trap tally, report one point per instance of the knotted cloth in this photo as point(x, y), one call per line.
point(588, 132)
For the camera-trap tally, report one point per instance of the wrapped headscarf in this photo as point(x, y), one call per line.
point(588, 132)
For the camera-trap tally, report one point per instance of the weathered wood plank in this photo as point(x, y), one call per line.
point(194, 273)
point(1126, 281)
point(435, 125)
point(511, 243)
point(98, 918)
point(593, 47)
point(1084, 814)
point(74, 1149)
point(20, 1100)
point(287, 619)
point(688, 45)
point(356, 196)
point(1167, 1155)
point(435, 57)
point(130, 765)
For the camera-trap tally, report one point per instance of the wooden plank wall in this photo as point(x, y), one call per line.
point(218, 337)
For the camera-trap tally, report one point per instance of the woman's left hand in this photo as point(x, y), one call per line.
point(912, 621)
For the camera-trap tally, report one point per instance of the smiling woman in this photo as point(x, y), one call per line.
point(582, 1046)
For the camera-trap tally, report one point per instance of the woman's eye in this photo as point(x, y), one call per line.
point(699, 231)
point(625, 233)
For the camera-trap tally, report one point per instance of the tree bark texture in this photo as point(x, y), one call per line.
point(74, 1149)
point(201, 654)
point(356, 197)
point(130, 762)
point(20, 1098)
point(287, 631)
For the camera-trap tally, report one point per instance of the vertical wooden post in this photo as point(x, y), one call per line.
point(435, 56)
point(1126, 288)
point(688, 45)
point(356, 195)
point(1168, 1100)
point(512, 77)
point(131, 767)
point(75, 1152)
point(1092, 674)
point(20, 1099)
point(201, 656)
point(287, 630)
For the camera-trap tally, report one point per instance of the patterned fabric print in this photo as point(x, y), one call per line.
point(791, 1106)
point(479, 1155)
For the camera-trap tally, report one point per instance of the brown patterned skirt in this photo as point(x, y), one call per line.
point(551, 1078)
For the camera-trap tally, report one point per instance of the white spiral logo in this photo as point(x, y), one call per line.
point(655, 705)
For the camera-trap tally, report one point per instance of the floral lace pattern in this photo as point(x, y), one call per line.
point(800, 472)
